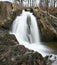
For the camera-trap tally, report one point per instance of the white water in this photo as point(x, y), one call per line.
point(25, 28)
point(26, 31)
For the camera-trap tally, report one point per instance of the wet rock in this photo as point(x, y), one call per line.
point(19, 55)
point(30, 58)
point(50, 59)
point(8, 39)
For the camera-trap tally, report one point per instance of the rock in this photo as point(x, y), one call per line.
point(5, 14)
point(53, 11)
point(49, 60)
point(8, 12)
point(47, 25)
point(13, 55)
point(28, 9)
point(6, 8)
point(6, 38)
point(13, 59)
point(17, 9)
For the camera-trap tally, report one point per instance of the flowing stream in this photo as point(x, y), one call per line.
point(27, 33)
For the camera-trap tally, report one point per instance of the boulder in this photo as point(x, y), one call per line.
point(8, 12)
point(6, 38)
point(19, 55)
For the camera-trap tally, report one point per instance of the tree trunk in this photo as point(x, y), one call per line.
point(46, 5)
point(54, 3)
point(40, 4)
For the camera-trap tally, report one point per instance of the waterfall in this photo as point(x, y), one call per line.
point(25, 28)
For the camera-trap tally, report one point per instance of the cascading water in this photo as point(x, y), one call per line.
point(25, 28)
point(26, 31)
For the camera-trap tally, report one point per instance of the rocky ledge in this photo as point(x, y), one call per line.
point(8, 12)
point(11, 53)
point(47, 24)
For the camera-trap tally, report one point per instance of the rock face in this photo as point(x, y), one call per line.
point(47, 25)
point(8, 12)
point(5, 9)
point(6, 38)
point(53, 11)
point(5, 12)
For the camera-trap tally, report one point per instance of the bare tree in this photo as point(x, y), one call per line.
point(46, 2)
point(54, 3)
point(40, 4)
